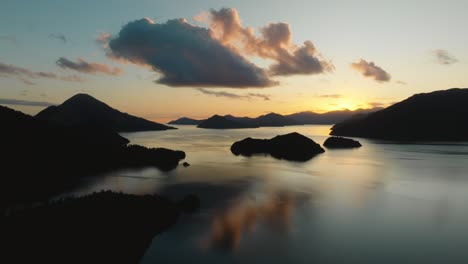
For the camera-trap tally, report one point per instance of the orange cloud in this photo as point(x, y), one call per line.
point(370, 70)
point(88, 67)
point(274, 43)
point(8, 70)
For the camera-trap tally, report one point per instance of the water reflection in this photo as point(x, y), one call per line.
point(273, 212)
point(382, 203)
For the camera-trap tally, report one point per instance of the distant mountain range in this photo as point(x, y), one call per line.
point(273, 119)
point(435, 116)
point(223, 122)
point(85, 110)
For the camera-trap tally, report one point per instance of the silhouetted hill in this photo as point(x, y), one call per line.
point(435, 116)
point(221, 122)
point(40, 158)
point(104, 227)
point(275, 120)
point(333, 117)
point(293, 146)
point(83, 109)
point(185, 121)
point(253, 122)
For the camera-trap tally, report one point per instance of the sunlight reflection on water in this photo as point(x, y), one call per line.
point(382, 203)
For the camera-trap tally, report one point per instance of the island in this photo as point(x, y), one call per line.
point(436, 116)
point(85, 110)
point(185, 121)
point(221, 122)
point(341, 143)
point(275, 120)
point(293, 147)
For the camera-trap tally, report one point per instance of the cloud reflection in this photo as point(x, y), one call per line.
point(272, 212)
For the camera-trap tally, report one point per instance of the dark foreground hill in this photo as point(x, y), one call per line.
point(104, 227)
point(40, 158)
point(435, 116)
point(83, 109)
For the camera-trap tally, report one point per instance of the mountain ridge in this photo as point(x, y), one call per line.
point(85, 110)
point(436, 116)
point(278, 120)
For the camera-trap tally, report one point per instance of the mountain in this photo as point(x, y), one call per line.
point(253, 122)
point(275, 120)
point(436, 116)
point(221, 122)
point(41, 158)
point(333, 117)
point(83, 109)
point(185, 121)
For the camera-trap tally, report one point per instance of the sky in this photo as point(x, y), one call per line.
point(166, 59)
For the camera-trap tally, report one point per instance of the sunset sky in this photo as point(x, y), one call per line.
point(165, 59)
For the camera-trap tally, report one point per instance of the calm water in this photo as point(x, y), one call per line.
point(382, 203)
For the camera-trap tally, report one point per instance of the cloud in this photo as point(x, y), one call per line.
point(443, 57)
point(9, 38)
point(304, 60)
point(88, 67)
point(193, 56)
point(26, 81)
point(377, 104)
point(274, 43)
point(201, 17)
point(24, 75)
point(235, 96)
point(6, 101)
point(186, 55)
point(59, 36)
point(401, 82)
point(370, 70)
point(103, 39)
point(334, 96)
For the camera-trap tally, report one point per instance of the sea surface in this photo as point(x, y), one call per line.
point(382, 203)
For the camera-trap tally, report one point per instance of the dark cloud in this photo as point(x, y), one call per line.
point(334, 96)
point(59, 36)
point(235, 96)
point(6, 101)
point(186, 55)
point(24, 75)
point(370, 70)
point(443, 57)
point(88, 67)
point(274, 43)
